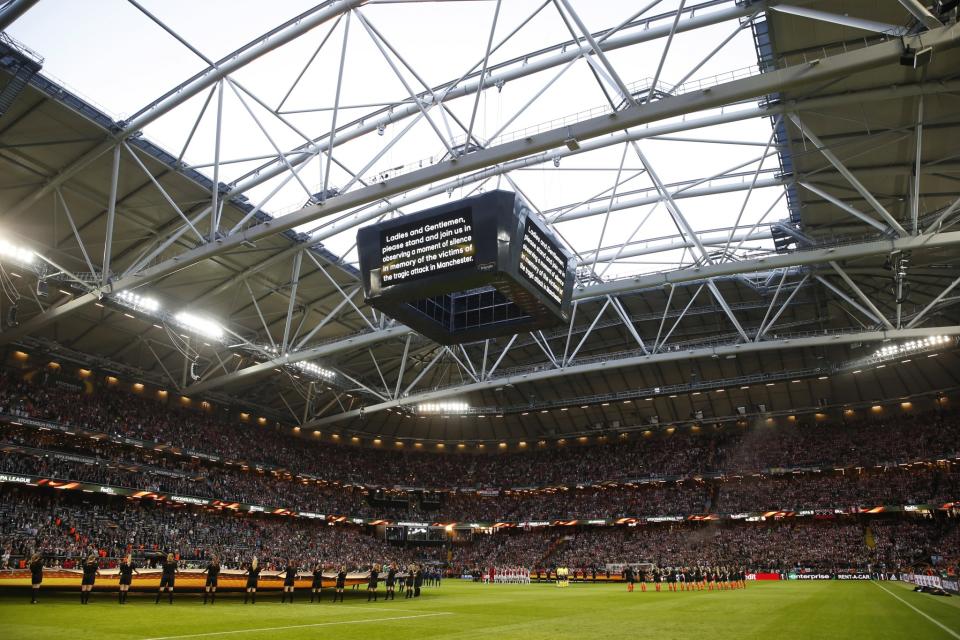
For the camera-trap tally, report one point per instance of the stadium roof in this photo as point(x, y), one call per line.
point(760, 196)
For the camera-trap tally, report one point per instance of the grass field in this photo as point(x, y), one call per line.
point(465, 610)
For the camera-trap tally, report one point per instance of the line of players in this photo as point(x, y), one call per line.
point(687, 578)
point(411, 582)
point(508, 575)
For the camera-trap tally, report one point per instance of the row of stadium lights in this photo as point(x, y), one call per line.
point(458, 408)
point(377, 441)
point(211, 329)
point(207, 328)
point(911, 346)
point(202, 326)
point(876, 408)
point(453, 408)
point(192, 322)
point(647, 433)
point(199, 325)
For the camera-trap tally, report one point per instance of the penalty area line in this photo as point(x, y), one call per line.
point(928, 617)
point(304, 626)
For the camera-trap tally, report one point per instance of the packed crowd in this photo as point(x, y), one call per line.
point(908, 437)
point(72, 456)
point(106, 463)
point(502, 549)
point(823, 546)
point(120, 413)
point(921, 484)
point(229, 485)
point(64, 528)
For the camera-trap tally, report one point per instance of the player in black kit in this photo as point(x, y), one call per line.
point(341, 583)
point(167, 578)
point(316, 587)
point(91, 569)
point(657, 577)
point(628, 577)
point(127, 569)
point(253, 574)
point(289, 580)
point(417, 581)
point(213, 577)
point(372, 582)
point(391, 582)
point(36, 576)
point(411, 570)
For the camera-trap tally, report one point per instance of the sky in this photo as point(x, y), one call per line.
point(112, 54)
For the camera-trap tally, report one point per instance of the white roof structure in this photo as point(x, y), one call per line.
point(761, 197)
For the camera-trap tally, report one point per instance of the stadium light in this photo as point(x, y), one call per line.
point(202, 326)
point(443, 407)
point(15, 253)
point(911, 346)
point(315, 370)
point(137, 302)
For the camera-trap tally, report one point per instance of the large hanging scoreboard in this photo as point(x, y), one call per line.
point(477, 268)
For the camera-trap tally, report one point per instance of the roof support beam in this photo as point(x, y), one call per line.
point(921, 13)
point(213, 74)
point(652, 281)
point(846, 173)
point(866, 96)
point(771, 263)
point(13, 10)
point(735, 91)
point(840, 204)
point(842, 20)
point(321, 351)
point(524, 67)
point(860, 294)
point(936, 225)
point(643, 360)
point(111, 214)
point(840, 293)
point(294, 283)
point(920, 316)
point(918, 151)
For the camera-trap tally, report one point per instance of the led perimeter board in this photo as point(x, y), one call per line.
point(477, 268)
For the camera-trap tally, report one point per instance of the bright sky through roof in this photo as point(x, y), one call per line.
point(116, 56)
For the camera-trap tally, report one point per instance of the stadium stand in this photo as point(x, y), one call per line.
point(104, 438)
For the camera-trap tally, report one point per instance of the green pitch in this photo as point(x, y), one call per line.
point(464, 610)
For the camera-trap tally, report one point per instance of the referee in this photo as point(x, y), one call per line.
point(167, 578)
point(127, 569)
point(372, 582)
point(36, 576)
point(213, 578)
point(289, 580)
point(316, 587)
point(253, 574)
point(91, 569)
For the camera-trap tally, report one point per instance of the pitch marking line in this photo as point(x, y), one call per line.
point(303, 626)
point(931, 619)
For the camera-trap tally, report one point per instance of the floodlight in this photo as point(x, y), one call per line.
point(15, 253)
point(138, 302)
point(202, 326)
point(443, 407)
